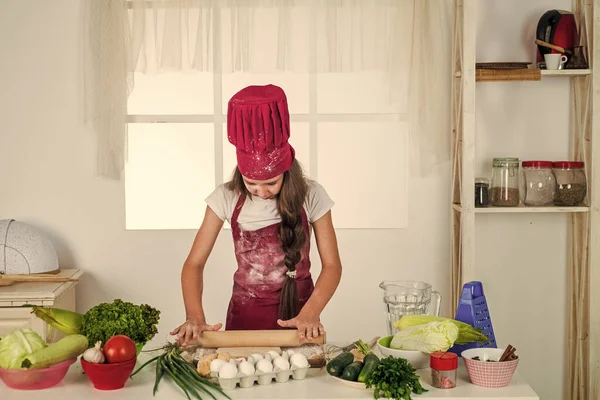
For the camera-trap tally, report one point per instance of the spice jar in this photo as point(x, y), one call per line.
point(482, 196)
point(444, 368)
point(571, 184)
point(538, 183)
point(505, 182)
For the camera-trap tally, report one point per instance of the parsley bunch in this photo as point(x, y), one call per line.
point(105, 320)
point(394, 378)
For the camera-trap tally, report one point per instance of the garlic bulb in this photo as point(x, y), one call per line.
point(94, 355)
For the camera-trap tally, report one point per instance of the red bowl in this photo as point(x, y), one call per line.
point(35, 379)
point(108, 376)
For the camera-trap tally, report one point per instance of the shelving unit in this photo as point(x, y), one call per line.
point(583, 355)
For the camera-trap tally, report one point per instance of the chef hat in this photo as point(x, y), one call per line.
point(258, 125)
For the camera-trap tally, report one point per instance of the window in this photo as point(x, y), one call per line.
point(346, 133)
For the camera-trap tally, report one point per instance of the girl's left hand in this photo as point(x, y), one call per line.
point(308, 327)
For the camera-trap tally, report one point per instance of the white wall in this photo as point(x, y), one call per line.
point(47, 157)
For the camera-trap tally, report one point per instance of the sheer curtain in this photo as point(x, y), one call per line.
point(409, 40)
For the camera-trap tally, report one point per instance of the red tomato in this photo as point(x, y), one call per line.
point(119, 348)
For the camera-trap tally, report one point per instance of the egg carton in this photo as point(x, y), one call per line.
point(265, 378)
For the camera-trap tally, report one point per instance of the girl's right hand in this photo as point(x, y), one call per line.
point(191, 329)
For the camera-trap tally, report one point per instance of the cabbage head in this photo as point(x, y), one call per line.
point(428, 338)
point(18, 344)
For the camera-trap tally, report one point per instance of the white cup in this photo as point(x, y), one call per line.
point(553, 60)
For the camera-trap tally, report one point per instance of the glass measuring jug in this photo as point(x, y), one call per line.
point(408, 298)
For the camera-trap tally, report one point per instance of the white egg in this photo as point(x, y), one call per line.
point(271, 355)
point(287, 353)
point(246, 368)
point(216, 364)
point(240, 360)
point(254, 358)
point(232, 361)
point(280, 364)
point(228, 371)
point(264, 366)
point(298, 360)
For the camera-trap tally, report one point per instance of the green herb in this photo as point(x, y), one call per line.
point(183, 374)
point(105, 320)
point(394, 378)
point(363, 347)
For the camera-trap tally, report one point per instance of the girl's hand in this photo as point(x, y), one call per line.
point(191, 329)
point(309, 327)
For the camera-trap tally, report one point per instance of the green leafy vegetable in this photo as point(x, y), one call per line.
point(17, 345)
point(105, 320)
point(394, 378)
point(434, 336)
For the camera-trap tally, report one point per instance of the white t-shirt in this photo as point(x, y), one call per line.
point(258, 213)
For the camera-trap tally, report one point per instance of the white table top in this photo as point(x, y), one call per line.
point(317, 386)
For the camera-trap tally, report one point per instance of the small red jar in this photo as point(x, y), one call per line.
point(444, 369)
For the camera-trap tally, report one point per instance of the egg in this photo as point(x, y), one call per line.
point(254, 358)
point(280, 364)
point(228, 371)
point(264, 366)
point(246, 368)
point(271, 355)
point(216, 364)
point(287, 354)
point(298, 360)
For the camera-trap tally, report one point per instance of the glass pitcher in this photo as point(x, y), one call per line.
point(408, 298)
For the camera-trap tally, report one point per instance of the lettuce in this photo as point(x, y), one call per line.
point(17, 345)
point(428, 338)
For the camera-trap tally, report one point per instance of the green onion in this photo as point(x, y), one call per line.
point(183, 374)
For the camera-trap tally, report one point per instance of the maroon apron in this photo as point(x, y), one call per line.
point(260, 275)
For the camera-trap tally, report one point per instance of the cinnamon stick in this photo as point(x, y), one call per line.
point(508, 352)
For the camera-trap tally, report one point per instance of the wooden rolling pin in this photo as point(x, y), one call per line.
point(258, 338)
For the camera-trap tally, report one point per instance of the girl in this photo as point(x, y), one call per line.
point(271, 207)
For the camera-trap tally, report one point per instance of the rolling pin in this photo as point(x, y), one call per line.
point(254, 338)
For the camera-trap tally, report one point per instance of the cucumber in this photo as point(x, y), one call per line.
point(67, 348)
point(336, 366)
point(352, 371)
point(370, 361)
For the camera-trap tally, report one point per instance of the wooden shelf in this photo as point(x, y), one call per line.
point(512, 76)
point(524, 209)
point(566, 72)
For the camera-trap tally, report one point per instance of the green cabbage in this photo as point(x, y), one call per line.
point(17, 345)
point(428, 338)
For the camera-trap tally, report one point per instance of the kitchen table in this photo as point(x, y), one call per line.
point(317, 386)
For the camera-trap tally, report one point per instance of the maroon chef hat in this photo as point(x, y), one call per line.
point(258, 125)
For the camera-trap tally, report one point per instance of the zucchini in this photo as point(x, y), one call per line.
point(67, 348)
point(336, 366)
point(352, 371)
point(370, 361)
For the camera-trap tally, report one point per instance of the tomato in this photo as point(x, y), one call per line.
point(119, 348)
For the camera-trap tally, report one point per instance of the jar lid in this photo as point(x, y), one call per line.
point(443, 361)
point(568, 164)
point(537, 164)
point(505, 161)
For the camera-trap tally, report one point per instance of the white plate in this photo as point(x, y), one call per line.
point(355, 385)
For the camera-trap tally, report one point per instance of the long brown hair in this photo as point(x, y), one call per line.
point(290, 201)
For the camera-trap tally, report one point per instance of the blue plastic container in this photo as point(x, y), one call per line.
point(473, 310)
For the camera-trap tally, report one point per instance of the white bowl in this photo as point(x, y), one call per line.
point(417, 359)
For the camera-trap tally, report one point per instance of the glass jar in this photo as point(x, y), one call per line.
point(571, 184)
point(505, 182)
point(444, 368)
point(538, 183)
point(482, 195)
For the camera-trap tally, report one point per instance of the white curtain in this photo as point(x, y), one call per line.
point(409, 40)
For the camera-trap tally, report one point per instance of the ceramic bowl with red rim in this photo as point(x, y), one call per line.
point(108, 376)
point(487, 371)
